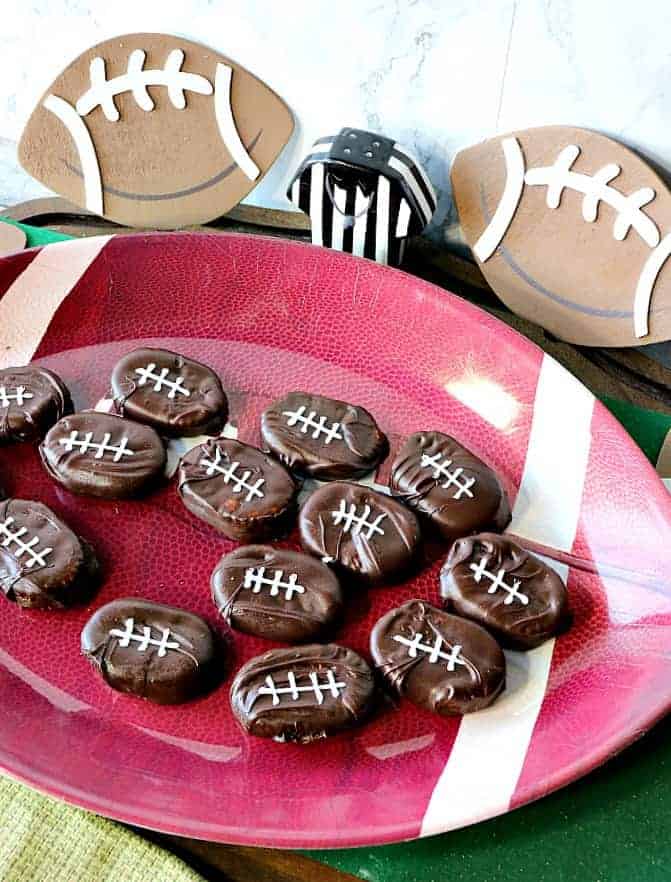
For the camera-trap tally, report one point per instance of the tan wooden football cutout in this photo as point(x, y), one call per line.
point(573, 232)
point(151, 130)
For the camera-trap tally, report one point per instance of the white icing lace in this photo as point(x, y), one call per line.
point(15, 537)
point(18, 396)
point(143, 638)
point(331, 686)
point(255, 578)
point(454, 479)
point(162, 380)
point(229, 473)
point(433, 651)
point(497, 579)
point(87, 444)
point(310, 421)
point(350, 520)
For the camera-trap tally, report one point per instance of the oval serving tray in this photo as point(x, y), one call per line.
point(269, 316)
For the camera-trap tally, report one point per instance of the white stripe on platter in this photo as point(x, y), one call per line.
point(484, 766)
point(31, 301)
point(316, 202)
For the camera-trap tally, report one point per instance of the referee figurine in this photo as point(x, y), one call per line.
point(365, 194)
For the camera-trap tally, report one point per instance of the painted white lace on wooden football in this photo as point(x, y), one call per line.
point(83, 441)
point(440, 466)
point(357, 523)
point(596, 188)
point(433, 651)
point(141, 639)
point(329, 686)
point(257, 580)
point(497, 580)
point(311, 422)
point(161, 382)
point(230, 472)
point(102, 91)
point(14, 396)
point(15, 540)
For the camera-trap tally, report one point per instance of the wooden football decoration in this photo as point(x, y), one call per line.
point(151, 130)
point(573, 232)
point(11, 239)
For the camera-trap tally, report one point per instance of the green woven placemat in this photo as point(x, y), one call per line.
point(611, 826)
point(45, 841)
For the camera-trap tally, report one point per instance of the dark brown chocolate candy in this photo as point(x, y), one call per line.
point(368, 534)
point(31, 400)
point(161, 653)
point(179, 397)
point(237, 489)
point(440, 662)
point(277, 594)
point(98, 454)
point(448, 485)
point(302, 694)
point(322, 437)
point(502, 586)
point(43, 564)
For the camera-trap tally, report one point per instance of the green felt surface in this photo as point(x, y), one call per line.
point(610, 826)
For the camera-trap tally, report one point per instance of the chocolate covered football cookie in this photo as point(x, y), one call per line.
point(237, 489)
point(440, 662)
point(277, 594)
point(161, 653)
point(448, 486)
point(43, 563)
point(363, 533)
point(322, 437)
point(302, 694)
point(31, 400)
point(176, 395)
point(508, 590)
point(98, 454)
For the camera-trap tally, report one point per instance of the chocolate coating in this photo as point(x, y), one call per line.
point(188, 400)
point(297, 605)
point(180, 661)
point(455, 492)
point(529, 607)
point(238, 490)
point(31, 400)
point(43, 564)
point(121, 458)
point(332, 685)
point(366, 534)
point(322, 437)
point(469, 673)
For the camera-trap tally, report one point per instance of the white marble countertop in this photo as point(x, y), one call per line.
point(433, 74)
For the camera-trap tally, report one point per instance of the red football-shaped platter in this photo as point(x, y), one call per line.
point(152, 130)
point(573, 232)
point(269, 316)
